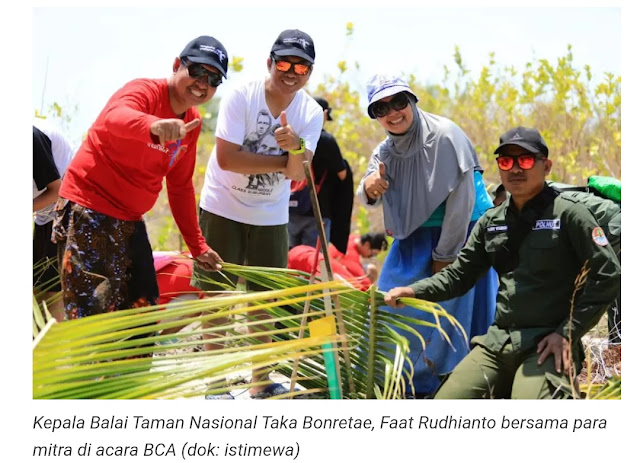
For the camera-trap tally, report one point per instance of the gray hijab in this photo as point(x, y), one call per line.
point(422, 166)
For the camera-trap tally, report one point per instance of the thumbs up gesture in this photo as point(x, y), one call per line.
point(172, 129)
point(375, 185)
point(286, 138)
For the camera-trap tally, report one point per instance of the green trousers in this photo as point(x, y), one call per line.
point(240, 243)
point(484, 374)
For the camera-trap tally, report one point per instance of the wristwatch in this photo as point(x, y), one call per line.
point(301, 150)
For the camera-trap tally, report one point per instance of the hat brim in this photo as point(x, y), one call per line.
point(528, 147)
point(389, 91)
point(294, 52)
point(210, 62)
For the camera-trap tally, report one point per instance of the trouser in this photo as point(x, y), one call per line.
point(240, 243)
point(484, 374)
point(106, 264)
point(303, 230)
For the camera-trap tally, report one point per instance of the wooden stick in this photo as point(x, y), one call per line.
point(325, 252)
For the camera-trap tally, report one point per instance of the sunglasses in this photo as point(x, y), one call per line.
point(196, 71)
point(525, 161)
point(298, 68)
point(397, 103)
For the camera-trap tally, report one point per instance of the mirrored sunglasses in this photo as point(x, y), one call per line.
point(397, 103)
point(525, 161)
point(298, 68)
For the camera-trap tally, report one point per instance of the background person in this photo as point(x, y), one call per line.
point(329, 170)
point(427, 178)
point(51, 156)
point(147, 132)
point(245, 197)
point(348, 265)
point(538, 241)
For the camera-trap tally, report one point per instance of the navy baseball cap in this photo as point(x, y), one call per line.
point(207, 50)
point(294, 42)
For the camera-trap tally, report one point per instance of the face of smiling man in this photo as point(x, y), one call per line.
point(288, 82)
point(185, 91)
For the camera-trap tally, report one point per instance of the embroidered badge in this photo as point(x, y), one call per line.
point(599, 237)
point(553, 224)
point(497, 229)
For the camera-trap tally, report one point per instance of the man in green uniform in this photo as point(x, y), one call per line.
point(538, 241)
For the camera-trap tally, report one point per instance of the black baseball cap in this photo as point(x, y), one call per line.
point(294, 42)
point(529, 139)
point(207, 50)
point(325, 106)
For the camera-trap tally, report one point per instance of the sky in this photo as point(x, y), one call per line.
point(81, 56)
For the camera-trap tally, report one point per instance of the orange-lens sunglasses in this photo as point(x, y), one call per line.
point(298, 68)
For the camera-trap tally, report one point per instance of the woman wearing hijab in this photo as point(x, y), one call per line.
point(427, 178)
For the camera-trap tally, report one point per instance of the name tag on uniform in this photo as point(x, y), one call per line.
point(293, 203)
point(547, 224)
point(497, 229)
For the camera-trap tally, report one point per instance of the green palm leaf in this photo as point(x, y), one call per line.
point(116, 355)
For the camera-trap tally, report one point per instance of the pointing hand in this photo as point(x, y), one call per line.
point(172, 129)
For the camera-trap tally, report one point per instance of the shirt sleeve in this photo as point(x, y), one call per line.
point(459, 277)
point(182, 199)
point(459, 207)
point(44, 167)
point(371, 168)
point(602, 279)
point(128, 112)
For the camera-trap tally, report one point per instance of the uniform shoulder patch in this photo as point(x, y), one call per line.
point(598, 237)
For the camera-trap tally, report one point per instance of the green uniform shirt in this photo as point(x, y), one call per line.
point(534, 299)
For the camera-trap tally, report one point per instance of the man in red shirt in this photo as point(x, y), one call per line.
point(348, 265)
point(148, 131)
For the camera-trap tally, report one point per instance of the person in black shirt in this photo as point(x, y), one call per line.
point(331, 176)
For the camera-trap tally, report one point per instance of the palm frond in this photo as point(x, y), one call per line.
point(120, 354)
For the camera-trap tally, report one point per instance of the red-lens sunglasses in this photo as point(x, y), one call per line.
point(525, 161)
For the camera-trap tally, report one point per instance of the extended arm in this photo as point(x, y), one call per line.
point(456, 279)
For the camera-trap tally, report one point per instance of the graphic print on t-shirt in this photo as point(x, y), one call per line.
point(262, 141)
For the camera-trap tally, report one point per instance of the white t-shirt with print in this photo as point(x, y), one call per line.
point(244, 119)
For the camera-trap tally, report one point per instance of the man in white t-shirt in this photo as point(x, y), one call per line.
point(265, 130)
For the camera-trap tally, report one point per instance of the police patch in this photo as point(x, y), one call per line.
point(553, 224)
point(598, 237)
